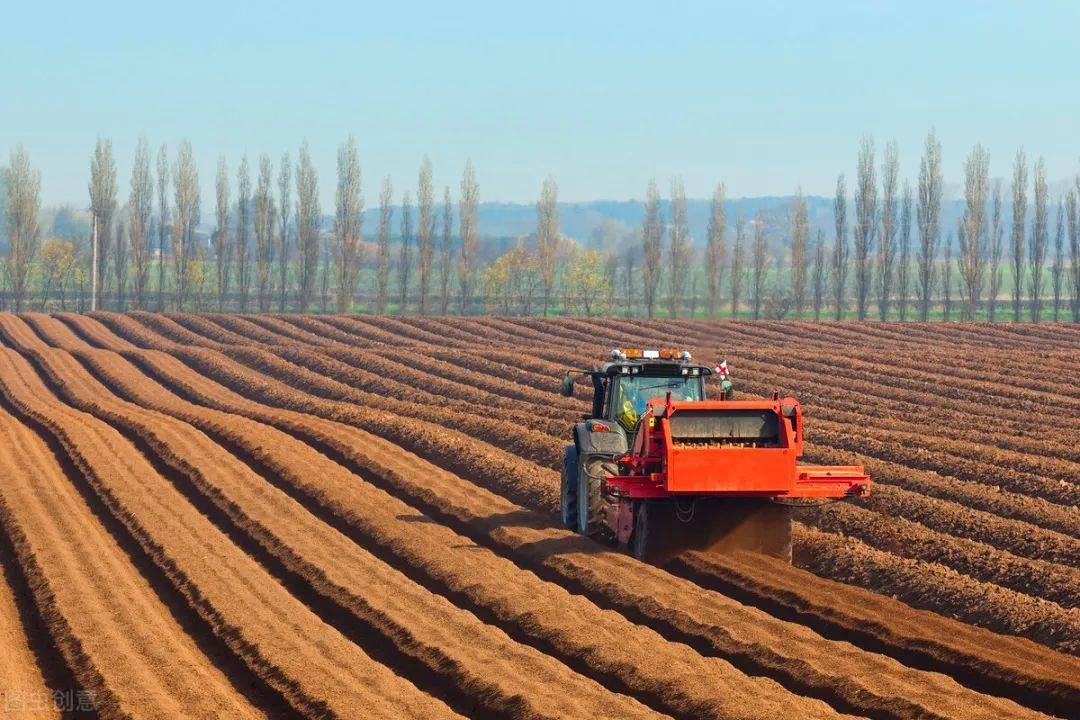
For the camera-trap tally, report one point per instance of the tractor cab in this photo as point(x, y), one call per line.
point(623, 386)
point(632, 386)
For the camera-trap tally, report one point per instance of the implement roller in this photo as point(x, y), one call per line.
point(659, 468)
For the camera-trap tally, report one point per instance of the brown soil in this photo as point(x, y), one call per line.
point(342, 516)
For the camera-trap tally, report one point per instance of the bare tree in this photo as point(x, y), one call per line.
point(284, 212)
point(946, 290)
point(120, 261)
point(1038, 240)
point(997, 249)
point(470, 239)
point(266, 270)
point(140, 208)
point(737, 253)
point(307, 227)
point(903, 270)
point(972, 258)
point(890, 171)
point(265, 216)
point(186, 185)
point(425, 230)
point(928, 216)
point(1057, 269)
point(630, 261)
point(163, 221)
point(716, 248)
point(382, 259)
point(405, 253)
point(800, 229)
point(652, 240)
point(23, 185)
point(324, 275)
point(1019, 211)
point(759, 259)
point(103, 204)
point(547, 236)
point(197, 275)
point(818, 278)
point(680, 247)
point(243, 226)
point(446, 252)
point(1074, 249)
point(865, 224)
point(840, 247)
point(348, 225)
point(526, 278)
point(222, 246)
point(611, 282)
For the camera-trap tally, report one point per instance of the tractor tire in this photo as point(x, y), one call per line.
point(569, 489)
point(590, 499)
point(651, 537)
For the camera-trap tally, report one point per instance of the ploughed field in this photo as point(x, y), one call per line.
point(356, 517)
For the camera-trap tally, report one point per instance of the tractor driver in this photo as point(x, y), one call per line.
point(630, 405)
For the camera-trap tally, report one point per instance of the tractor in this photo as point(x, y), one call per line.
point(658, 467)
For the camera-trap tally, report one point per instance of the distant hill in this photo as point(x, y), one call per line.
point(601, 224)
point(612, 223)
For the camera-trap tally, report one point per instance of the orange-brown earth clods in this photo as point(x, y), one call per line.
point(353, 516)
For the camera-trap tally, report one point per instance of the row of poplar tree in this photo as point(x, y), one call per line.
point(890, 259)
point(266, 251)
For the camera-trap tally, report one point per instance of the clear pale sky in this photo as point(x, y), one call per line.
point(602, 95)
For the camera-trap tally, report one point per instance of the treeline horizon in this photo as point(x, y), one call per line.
point(1011, 255)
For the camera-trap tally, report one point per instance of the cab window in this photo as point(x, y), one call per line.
point(631, 394)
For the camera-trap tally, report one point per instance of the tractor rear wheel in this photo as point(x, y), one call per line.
point(569, 488)
point(590, 498)
point(656, 538)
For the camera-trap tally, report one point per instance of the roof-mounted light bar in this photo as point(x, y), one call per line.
point(662, 354)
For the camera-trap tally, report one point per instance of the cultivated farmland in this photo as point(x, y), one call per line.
point(356, 516)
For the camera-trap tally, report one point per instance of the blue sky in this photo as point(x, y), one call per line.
point(602, 95)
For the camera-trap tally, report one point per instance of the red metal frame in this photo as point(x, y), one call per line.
point(660, 468)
